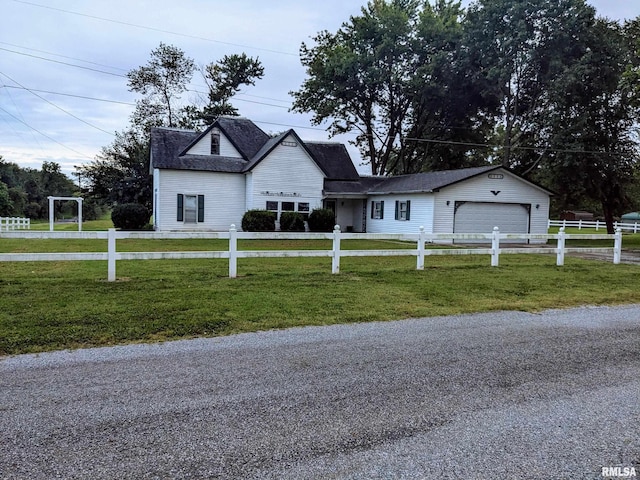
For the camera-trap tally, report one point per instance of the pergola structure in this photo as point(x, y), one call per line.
point(51, 211)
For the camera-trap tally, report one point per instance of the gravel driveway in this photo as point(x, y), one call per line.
point(497, 395)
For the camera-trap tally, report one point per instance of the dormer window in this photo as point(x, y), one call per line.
point(215, 143)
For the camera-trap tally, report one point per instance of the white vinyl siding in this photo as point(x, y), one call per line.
point(288, 174)
point(223, 196)
point(481, 189)
point(203, 146)
point(421, 214)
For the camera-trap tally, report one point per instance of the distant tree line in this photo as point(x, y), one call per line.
point(24, 192)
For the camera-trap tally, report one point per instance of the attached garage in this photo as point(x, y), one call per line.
point(482, 217)
point(469, 200)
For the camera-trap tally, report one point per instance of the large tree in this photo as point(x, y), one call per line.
point(224, 79)
point(120, 174)
point(161, 81)
point(591, 123)
point(517, 50)
point(360, 78)
point(398, 76)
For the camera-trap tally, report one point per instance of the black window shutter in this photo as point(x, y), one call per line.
point(373, 208)
point(397, 209)
point(382, 209)
point(408, 209)
point(180, 217)
point(200, 208)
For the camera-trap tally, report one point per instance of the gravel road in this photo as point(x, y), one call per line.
point(489, 396)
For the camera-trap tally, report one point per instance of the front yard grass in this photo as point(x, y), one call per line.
point(54, 305)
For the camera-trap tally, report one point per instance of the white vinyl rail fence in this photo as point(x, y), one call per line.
point(597, 224)
point(336, 253)
point(14, 223)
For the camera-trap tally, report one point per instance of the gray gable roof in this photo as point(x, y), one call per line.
point(169, 149)
point(428, 182)
point(243, 134)
point(166, 145)
point(414, 183)
point(333, 159)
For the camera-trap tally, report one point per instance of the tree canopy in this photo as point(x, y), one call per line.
point(120, 173)
point(542, 87)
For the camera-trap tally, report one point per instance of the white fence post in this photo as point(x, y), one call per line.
point(617, 247)
point(233, 252)
point(111, 255)
point(597, 225)
point(335, 262)
point(495, 247)
point(420, 265)
point(560, 252)
point(580, 224)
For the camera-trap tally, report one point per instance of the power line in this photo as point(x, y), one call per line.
point(513, 147)
point(62, 63)
point(243, 100)
point(45, 135)
point(95, 17)
point(70, 95)
point(58, 107)
point(63, 56)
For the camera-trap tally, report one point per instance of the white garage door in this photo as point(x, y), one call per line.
point(479, 217)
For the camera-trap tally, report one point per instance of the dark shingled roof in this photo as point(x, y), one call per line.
point(206, 163)
point(244, 134)
point(414, 183)
point(169, 149)
point(352, 187)
point(428, 182)
point(166, 145)
point(333, 159)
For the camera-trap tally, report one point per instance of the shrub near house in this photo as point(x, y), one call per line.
point(259, 221)
point(130, 216)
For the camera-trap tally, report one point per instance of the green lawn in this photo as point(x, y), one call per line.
point(53, 305)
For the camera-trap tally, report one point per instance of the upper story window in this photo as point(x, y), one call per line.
point(215, 143)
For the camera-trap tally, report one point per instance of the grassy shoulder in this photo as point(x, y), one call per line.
point(54, 305)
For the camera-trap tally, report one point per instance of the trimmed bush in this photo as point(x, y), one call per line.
point(130, 216)
point(259, 221)
point(321, 220)
point(291, 222)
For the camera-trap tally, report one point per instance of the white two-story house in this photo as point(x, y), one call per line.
point(208, 180)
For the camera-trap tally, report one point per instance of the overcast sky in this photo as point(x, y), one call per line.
point(63, 90)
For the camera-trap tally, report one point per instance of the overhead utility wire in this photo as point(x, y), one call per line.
point(63, 63)
point(95, 17)
point(512, 147)
point(58, 107)
point(45, 135)
point(70, 95)
point(62, 56)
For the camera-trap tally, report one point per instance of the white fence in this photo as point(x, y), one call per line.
point(336, 252)
point(14, 223)
point(597, 224)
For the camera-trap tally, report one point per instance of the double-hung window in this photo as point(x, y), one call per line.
point(377, 210)
point(403, 210)
point(215, 143)
point(190, 208)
